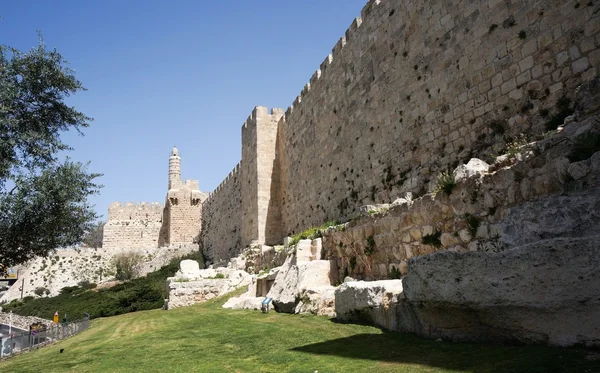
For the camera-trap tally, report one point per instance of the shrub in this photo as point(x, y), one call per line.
point(87, 285)
point(395, 273)
point(445, 183)
point(126, 265)
point(564, 110)
point(473, 224)
point(432, 239)
point(39, 291)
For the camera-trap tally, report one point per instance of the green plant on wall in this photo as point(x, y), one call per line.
point(445, 183)
point(432, 239)
point(473, 223)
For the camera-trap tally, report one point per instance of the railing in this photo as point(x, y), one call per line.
point(23, 341)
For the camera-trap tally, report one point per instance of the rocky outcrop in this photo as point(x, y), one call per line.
point(301, 285)
point(373, 302)
point(191, 285)
point(545, 292)
point(71, 266)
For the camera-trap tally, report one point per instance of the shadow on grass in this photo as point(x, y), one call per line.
point(401, 348)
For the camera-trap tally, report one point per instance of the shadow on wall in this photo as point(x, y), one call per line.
point(460, 357)
point(164, 228)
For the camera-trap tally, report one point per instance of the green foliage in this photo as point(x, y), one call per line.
point(94, 235)
point(395, 273)
point(370, 247)
point(584, 147)
point(40, 291)
point(126, 265)
point(312, 233)
point(46, 205)
point(432, 239)
point(473, 223)
point(445, 183)
point(87, 285)
point(234, 341)
point(218, 276)
point(143, 293)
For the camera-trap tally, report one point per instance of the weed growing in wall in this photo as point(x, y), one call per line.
point(473, 223)
point(445, 183)
point(432, 239)
point(312, 233)
point(395, 273)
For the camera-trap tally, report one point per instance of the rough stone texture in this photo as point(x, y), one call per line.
point(576, 215)
point(244, 303)
point(301, 276)
point(520, 199)
point(68, 267)
point(184, 290)
point(188, 268)
point(544, 292)
point(373, 301)
point(21, 322)
point(473, 168)
point(410, 90)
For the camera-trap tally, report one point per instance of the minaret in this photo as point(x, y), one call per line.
point(174, 169)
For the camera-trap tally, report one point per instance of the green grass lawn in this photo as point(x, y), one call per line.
point(207, 338)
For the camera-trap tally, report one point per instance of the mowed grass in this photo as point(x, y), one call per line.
point(207, 338)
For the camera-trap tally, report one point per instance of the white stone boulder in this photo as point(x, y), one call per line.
point(372, 301)
point(189, 287)
point(294, 278)
point(473, 167)
point(244, 303)
point(188, 268)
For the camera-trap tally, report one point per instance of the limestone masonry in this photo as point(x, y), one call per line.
point(412, 88)
point(154, 225)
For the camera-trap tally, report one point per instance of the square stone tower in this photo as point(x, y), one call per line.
point(183, 205)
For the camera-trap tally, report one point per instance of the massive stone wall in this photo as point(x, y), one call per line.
point(222, 219)
point(134, 226)
point(412, 89)
point(416, 87)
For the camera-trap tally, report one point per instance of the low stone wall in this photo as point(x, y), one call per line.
point(21, 322)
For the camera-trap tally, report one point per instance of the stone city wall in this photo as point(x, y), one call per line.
point(414, 88)
point(134, 226)
point(221, 219)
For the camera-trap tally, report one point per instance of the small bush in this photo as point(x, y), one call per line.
point(395, 273)
point(87, 285)
point(473, 224)
point(432, 239)
point(312, 233)
point(445, 183)
point(39, 291)
point(126, 265)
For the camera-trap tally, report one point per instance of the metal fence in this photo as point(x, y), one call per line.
point(19, 341)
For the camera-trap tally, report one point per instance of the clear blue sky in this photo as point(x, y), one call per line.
point(184, 73)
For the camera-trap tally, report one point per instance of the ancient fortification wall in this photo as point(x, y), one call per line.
point(145, 226)
point(416, 87)
point(412, 89)
point(135, 226)
point(222, 218)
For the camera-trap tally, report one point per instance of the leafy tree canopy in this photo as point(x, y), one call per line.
point(43, 200)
